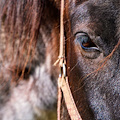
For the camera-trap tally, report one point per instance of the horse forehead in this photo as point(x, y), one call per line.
point(95, 2)
point(91, 11)
point(89, 5)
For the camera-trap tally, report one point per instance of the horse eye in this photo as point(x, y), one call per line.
point(85, 42)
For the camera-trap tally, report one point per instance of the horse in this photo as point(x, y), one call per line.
point(29, 46)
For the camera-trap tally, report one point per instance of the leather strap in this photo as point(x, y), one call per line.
point(69, 101)
point(63, 84)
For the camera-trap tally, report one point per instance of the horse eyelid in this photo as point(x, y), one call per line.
point(80, 33)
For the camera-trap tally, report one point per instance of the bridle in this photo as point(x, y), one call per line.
point(63, 85)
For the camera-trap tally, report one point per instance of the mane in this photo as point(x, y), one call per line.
point(20, 24)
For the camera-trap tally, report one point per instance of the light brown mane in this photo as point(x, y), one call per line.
point(21, 23)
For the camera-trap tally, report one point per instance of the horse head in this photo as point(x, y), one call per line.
point(29, 46)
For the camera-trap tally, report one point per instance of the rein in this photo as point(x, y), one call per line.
point(63, 85)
